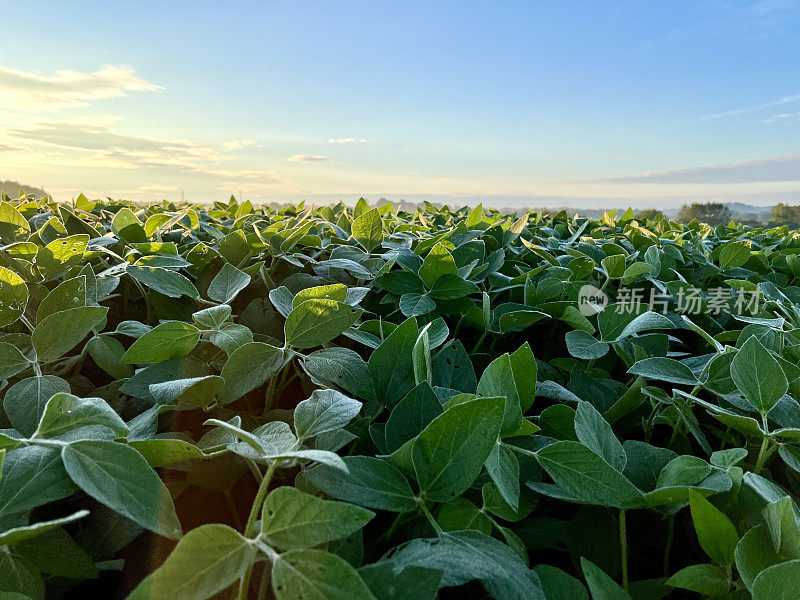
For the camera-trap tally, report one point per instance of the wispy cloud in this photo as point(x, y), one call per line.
point(101, 146)
point(239, 144)
point(350, 140)
point(31, 92)
point(308, 158)
point(764, 170)
point(767, 7)
point(781, 117)
point(739, 111)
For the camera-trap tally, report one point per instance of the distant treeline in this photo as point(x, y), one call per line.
point(717, 213)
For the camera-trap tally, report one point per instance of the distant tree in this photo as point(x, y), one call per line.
point(713, 213)
point(649, 213)
point(783, 214)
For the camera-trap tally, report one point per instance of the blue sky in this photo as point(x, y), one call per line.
point(514, 103)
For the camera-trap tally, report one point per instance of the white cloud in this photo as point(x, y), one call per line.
point(350, 140)
point(739, 111)
point(308, 158)
point(763, 170)
point(239, 144)
point(781, 117)
point(30, 92)
point(100, 146)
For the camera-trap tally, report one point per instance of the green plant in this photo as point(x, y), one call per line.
point(369, 403)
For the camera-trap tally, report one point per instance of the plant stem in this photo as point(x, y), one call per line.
point(428, 515)
point(668, 545)
point(269, 398)
point(250, 528)
point(762, 455)
point(623, 547)
point(480, 341)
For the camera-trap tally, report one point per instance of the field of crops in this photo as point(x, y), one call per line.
point(361, 403)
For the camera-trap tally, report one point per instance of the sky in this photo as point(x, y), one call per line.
point(585, 104)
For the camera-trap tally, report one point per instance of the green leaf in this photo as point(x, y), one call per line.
point(783, 528)
point(18, 575)
point(503, 467)
point(615, 326)
point(228, 282)
point(452, 368)
point(401, 282)
point(558, 585)
point(367, 229)
point(13, 225)
point(325, 410)
point(779, 582)
point(415, 305)
point(207, 560)
point(72, 293)
point(316, 575)
point(119, 477)
point(587, 477)
point(595, 433)
point(167, 341)
point(13, 296)
point(411, 415)
point(164, 281)
point(107, 353)
point(636, 270)
point(25, 400)
point(340, 367)
point(336, 291)
point(754, 553)
point(61, 254)
point(60, 332)
point(386, 583)
point(230, 337)
point(391, 363)
point(421, 357)
point(212, 317)
point(758, 375)
point(126, 226)
point(200, 391)
point(65, 412)
point(734, 254)
point(292, 519)
point(601, 586)
point(438, 262)
point(160, 452)
point(56, 553)
point(461, 514)
point(368, 481)
point(664, 369)
point(525, 371)
point(684, 471)
point(716, 533)
point(464, 556)
point(16, 535)
point(475, 216)
point(317, 321)
point(449, 453)
point(32, 476)
point(499, 380)
point(12, 361)
point(584, 346)
point(709, 580)
point(451, 287)
point(248, 367)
